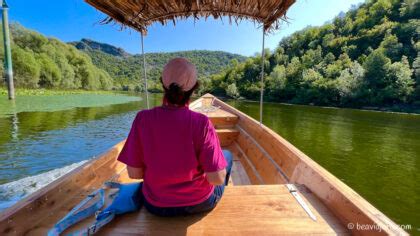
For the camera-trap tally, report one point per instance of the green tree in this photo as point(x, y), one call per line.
point(376, 67)
point(28, 39)
point(205, 85)
point(67, 71)
point(400, 84)
point(312, 57)
point(333, 70)
point(26, 68)
point(329, 58)
point(294, 76)
point(104, 80)
point(316, 89)
point(392, 48)
point(410, 9)
point(50, 75)
point(276, 83)
point(232, 91)
point(416, 67)
point(378, 10)
point(349, 84)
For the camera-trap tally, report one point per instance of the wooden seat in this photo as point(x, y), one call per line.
point(227, 136)
point(262, 209)
point(221, 118)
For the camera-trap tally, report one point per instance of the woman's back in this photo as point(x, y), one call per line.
point(174, 146)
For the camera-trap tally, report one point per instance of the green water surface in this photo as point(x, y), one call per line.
point(32, 103)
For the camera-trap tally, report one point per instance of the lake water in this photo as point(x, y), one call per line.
point(377, 154)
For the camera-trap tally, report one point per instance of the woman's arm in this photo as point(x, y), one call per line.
point(132, 152)
point(211, 156)
point(135, 173)
point(217, 177)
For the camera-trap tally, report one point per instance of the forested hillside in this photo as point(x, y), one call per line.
point(127, 69)
point(41, 62)
point(367, 57)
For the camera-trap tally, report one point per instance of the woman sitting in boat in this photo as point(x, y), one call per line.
point(176, 151)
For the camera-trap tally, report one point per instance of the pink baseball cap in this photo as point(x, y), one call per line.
point(181, 72)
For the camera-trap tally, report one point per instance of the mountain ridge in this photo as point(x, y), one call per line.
point(126, 68)
point(89, 44)
point(47, 62)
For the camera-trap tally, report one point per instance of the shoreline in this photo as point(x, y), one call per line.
point(415, 111)
point(50, 92)
point(48, 101)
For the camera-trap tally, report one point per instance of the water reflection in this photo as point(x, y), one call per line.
point(15, 126)
point(31, 123)
point(35, 142)
point(14, 119)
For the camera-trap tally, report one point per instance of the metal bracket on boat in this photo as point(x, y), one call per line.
point(294, 191)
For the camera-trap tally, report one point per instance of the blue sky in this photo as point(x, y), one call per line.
point(71, 20)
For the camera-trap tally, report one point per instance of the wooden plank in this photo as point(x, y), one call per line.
point(249, 168)
point(227, 136)
point(344, 202)
point(230, 182)
point(223, 122)
point(220, 118)
point(267, 156)
point(263, 165)
point(275, 212)
point(270, 208)
point(238, 174)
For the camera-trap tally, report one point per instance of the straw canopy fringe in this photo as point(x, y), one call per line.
point(139, 14)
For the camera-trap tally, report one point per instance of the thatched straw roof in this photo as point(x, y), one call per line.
point(139, 14)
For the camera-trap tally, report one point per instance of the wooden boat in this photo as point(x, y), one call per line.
point(257, 201)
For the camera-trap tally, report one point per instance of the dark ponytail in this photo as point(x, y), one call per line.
point(175, 95)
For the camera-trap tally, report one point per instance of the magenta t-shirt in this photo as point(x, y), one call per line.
point(175, 147)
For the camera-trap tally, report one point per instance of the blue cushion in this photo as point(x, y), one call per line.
point(127, 200)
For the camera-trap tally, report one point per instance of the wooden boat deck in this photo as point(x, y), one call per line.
point(256, 201)
point(243, 210)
